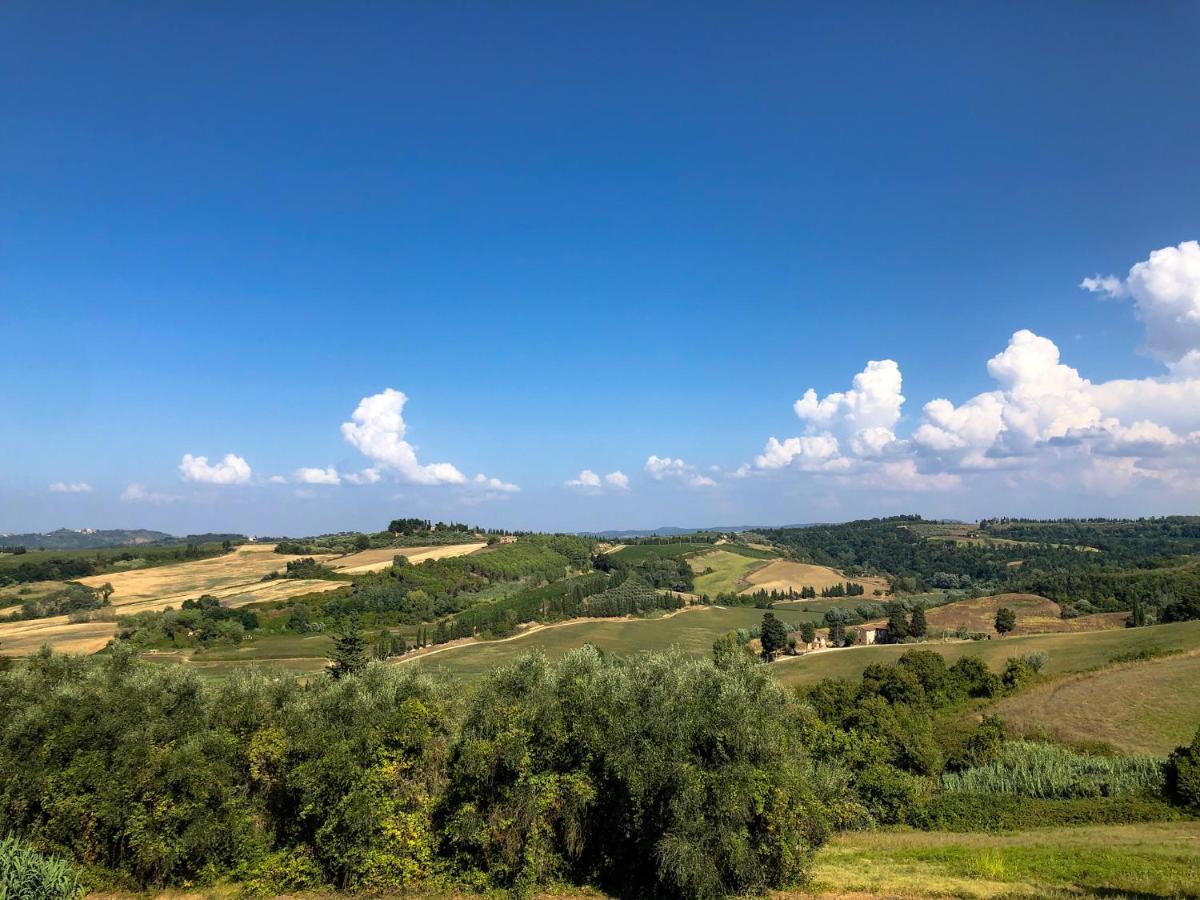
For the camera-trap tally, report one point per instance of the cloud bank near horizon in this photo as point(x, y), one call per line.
point(1042, 422)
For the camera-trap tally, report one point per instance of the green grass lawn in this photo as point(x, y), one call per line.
point(1065, 652)
point(692, 631)
point(1135, 861)
point(728, 571)
point(1143, 707)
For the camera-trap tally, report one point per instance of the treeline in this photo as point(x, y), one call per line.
point(1139, 560)
point(633, 775)
point(71, 598)
point(198, 623)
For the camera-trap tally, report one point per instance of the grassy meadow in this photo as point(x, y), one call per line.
point(729, 571)
point(1150, 706)
point(1133, 861)
point(1065, 652)
point(692, 631)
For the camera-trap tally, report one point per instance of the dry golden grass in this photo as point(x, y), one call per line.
point(1035, 615)
point(235, 578)
point(782, 575)
point(375, 560)
point(24, 638)
point(176, 583)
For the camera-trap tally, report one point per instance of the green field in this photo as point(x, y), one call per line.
point(1142, 707)
point(692, 631)
point(637, 552)
point(1133, 861)
point(1065, 652)
point(728, 571)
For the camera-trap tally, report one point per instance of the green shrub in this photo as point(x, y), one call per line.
point(28, 875)
point(1183, 774)
point(658, 774)
point(1048, 771)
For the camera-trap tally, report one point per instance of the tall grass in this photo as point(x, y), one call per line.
point(1048, 771)
point(28, 875)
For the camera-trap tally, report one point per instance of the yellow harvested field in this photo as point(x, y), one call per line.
point(782, 575)
point(24, 638)
point(175, 583)
point(375, 560)
point(235, 578)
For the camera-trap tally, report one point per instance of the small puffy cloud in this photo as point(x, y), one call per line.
point(377, 429)
point(70, 487)
point(494, 484)
point(1104, 284)
point(309, 475)
point(366, 476)
point(139, 493)
point(277, 479)
point(663, 468)
point(232, 469)
point(618, 480)
point(587, 479)
point(590, 482)
point(1166, 294)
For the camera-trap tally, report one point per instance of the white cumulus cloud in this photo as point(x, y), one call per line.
point(590, 482)
point(70, 487)
point(377, 429)
point(366, 476)
point(663, 468)
point(1166, 294)
point(232, 469)
point(310, 475)
point(618, 480)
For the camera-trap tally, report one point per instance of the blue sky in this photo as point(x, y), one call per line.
point(576, 236)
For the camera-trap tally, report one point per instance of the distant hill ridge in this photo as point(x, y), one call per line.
point(674, 530)
point(96, 539)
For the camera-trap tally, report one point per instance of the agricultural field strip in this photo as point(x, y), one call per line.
point(382, 558)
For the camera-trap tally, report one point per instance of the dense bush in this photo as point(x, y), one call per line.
point(1183, 774)
point(659, 774)
point(71, 598)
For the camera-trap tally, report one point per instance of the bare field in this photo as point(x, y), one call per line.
point(782, 575)
point(375, 560)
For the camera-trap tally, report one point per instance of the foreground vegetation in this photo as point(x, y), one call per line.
point(653, 774)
